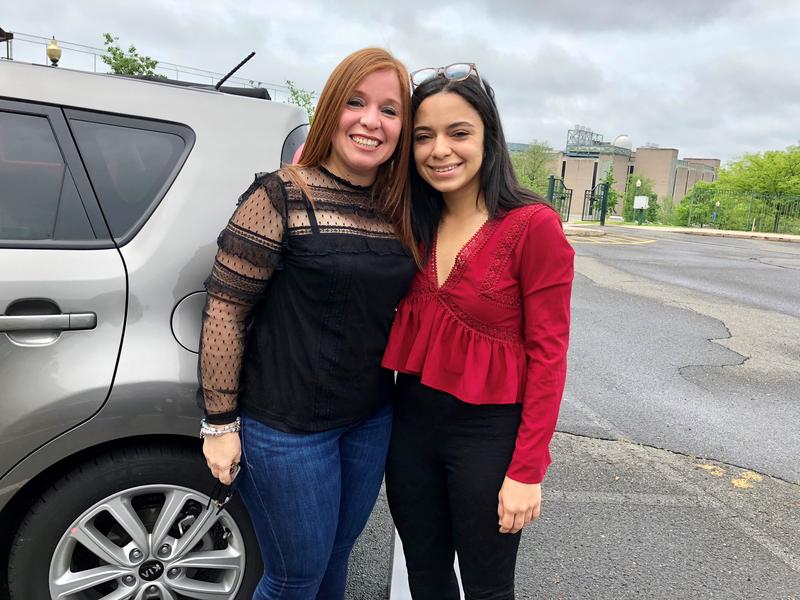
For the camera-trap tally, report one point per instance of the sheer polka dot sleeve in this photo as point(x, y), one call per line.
point(250, 249)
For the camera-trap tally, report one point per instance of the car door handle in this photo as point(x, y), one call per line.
point(58, 322)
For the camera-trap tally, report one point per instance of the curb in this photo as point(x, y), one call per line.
point(745, 235)
point(572, 231)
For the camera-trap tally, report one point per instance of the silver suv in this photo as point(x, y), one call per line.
point(112, 193)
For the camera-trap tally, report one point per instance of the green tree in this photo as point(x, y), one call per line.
point(532, 166)
point(775, 172)
point(764, 187)
point(666, 211)
point(646, 189)
point(697, 206)
point(126, 63)
point(613, 195)
point(773, 175)
point(301, 98)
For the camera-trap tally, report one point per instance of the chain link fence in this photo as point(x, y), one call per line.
point(741, 211)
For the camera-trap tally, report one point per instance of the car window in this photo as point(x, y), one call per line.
point(38, 197)
point(128, 167)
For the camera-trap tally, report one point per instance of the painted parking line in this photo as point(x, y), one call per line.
point(612, 240)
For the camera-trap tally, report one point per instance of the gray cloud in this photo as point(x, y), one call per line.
point(712, 78)
point(580, 16)
point(565, 15)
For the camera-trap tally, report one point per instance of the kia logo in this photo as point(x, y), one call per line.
point(151, 570)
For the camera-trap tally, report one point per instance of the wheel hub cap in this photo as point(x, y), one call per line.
point(151, 570)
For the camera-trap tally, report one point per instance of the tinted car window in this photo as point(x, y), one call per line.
point(38, 198)
point(128, 168)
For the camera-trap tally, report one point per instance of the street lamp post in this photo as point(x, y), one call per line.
point(639, 211)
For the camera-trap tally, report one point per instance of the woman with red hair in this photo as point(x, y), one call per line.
point(315, 258)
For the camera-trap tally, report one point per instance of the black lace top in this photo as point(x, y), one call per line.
point(300, 303)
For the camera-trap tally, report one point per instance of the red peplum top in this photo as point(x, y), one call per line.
point(497, 330)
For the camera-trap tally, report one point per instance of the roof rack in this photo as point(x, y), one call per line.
point(254, 92)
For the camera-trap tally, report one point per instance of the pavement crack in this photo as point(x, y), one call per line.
point(766, 263)
point(717, 341)
point(593, 437)
point(727, 331)
point(634, 443)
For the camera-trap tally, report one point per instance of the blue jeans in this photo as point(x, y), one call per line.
point(309, 496)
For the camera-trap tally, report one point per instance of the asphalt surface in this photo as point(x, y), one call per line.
point(676, 464)
point(625, 521)
point(750, 272)
point(672, 356)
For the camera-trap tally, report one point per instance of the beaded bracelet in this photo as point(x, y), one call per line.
point(206, 430)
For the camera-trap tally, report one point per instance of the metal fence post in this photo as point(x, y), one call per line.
point(551, 186)
point(604, 204)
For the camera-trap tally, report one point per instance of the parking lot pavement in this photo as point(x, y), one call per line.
point(621, 520)
point(371, 562)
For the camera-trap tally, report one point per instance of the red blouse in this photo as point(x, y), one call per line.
point(497, 330)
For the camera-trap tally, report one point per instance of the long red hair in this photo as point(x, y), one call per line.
point(391, 190)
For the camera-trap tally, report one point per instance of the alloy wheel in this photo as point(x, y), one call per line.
point(152, 542)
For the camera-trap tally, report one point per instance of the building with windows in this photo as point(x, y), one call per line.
point(587, 158)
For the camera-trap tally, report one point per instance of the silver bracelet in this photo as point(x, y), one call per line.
point(207, 430)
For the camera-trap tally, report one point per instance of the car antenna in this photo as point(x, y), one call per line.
point(232, 71)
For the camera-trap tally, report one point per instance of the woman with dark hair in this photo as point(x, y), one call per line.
point(301, 298)
point(480, 346)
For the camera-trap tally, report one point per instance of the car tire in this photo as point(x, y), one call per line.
point(96, 505)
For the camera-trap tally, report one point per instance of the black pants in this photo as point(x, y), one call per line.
point(447, 461)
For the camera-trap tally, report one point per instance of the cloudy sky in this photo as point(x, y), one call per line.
point(713, 78)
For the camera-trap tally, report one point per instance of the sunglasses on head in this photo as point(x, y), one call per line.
point(454, 72)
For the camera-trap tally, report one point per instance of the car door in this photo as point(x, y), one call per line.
point(62, 284)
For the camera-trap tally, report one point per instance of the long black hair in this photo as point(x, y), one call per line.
point(498, 182)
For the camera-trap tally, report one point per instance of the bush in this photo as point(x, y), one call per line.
point(680, 216)
point(732, 212)
point(697, 206)
point(666, 211)
point(646, 189)
point(790, 225)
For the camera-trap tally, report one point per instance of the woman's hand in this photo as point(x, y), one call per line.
point(518, 504)
point(222, 455)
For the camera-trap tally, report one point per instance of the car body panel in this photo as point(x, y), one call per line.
point(54, 381)
point(186, 324)
point(165, 262)
point(132, 415)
